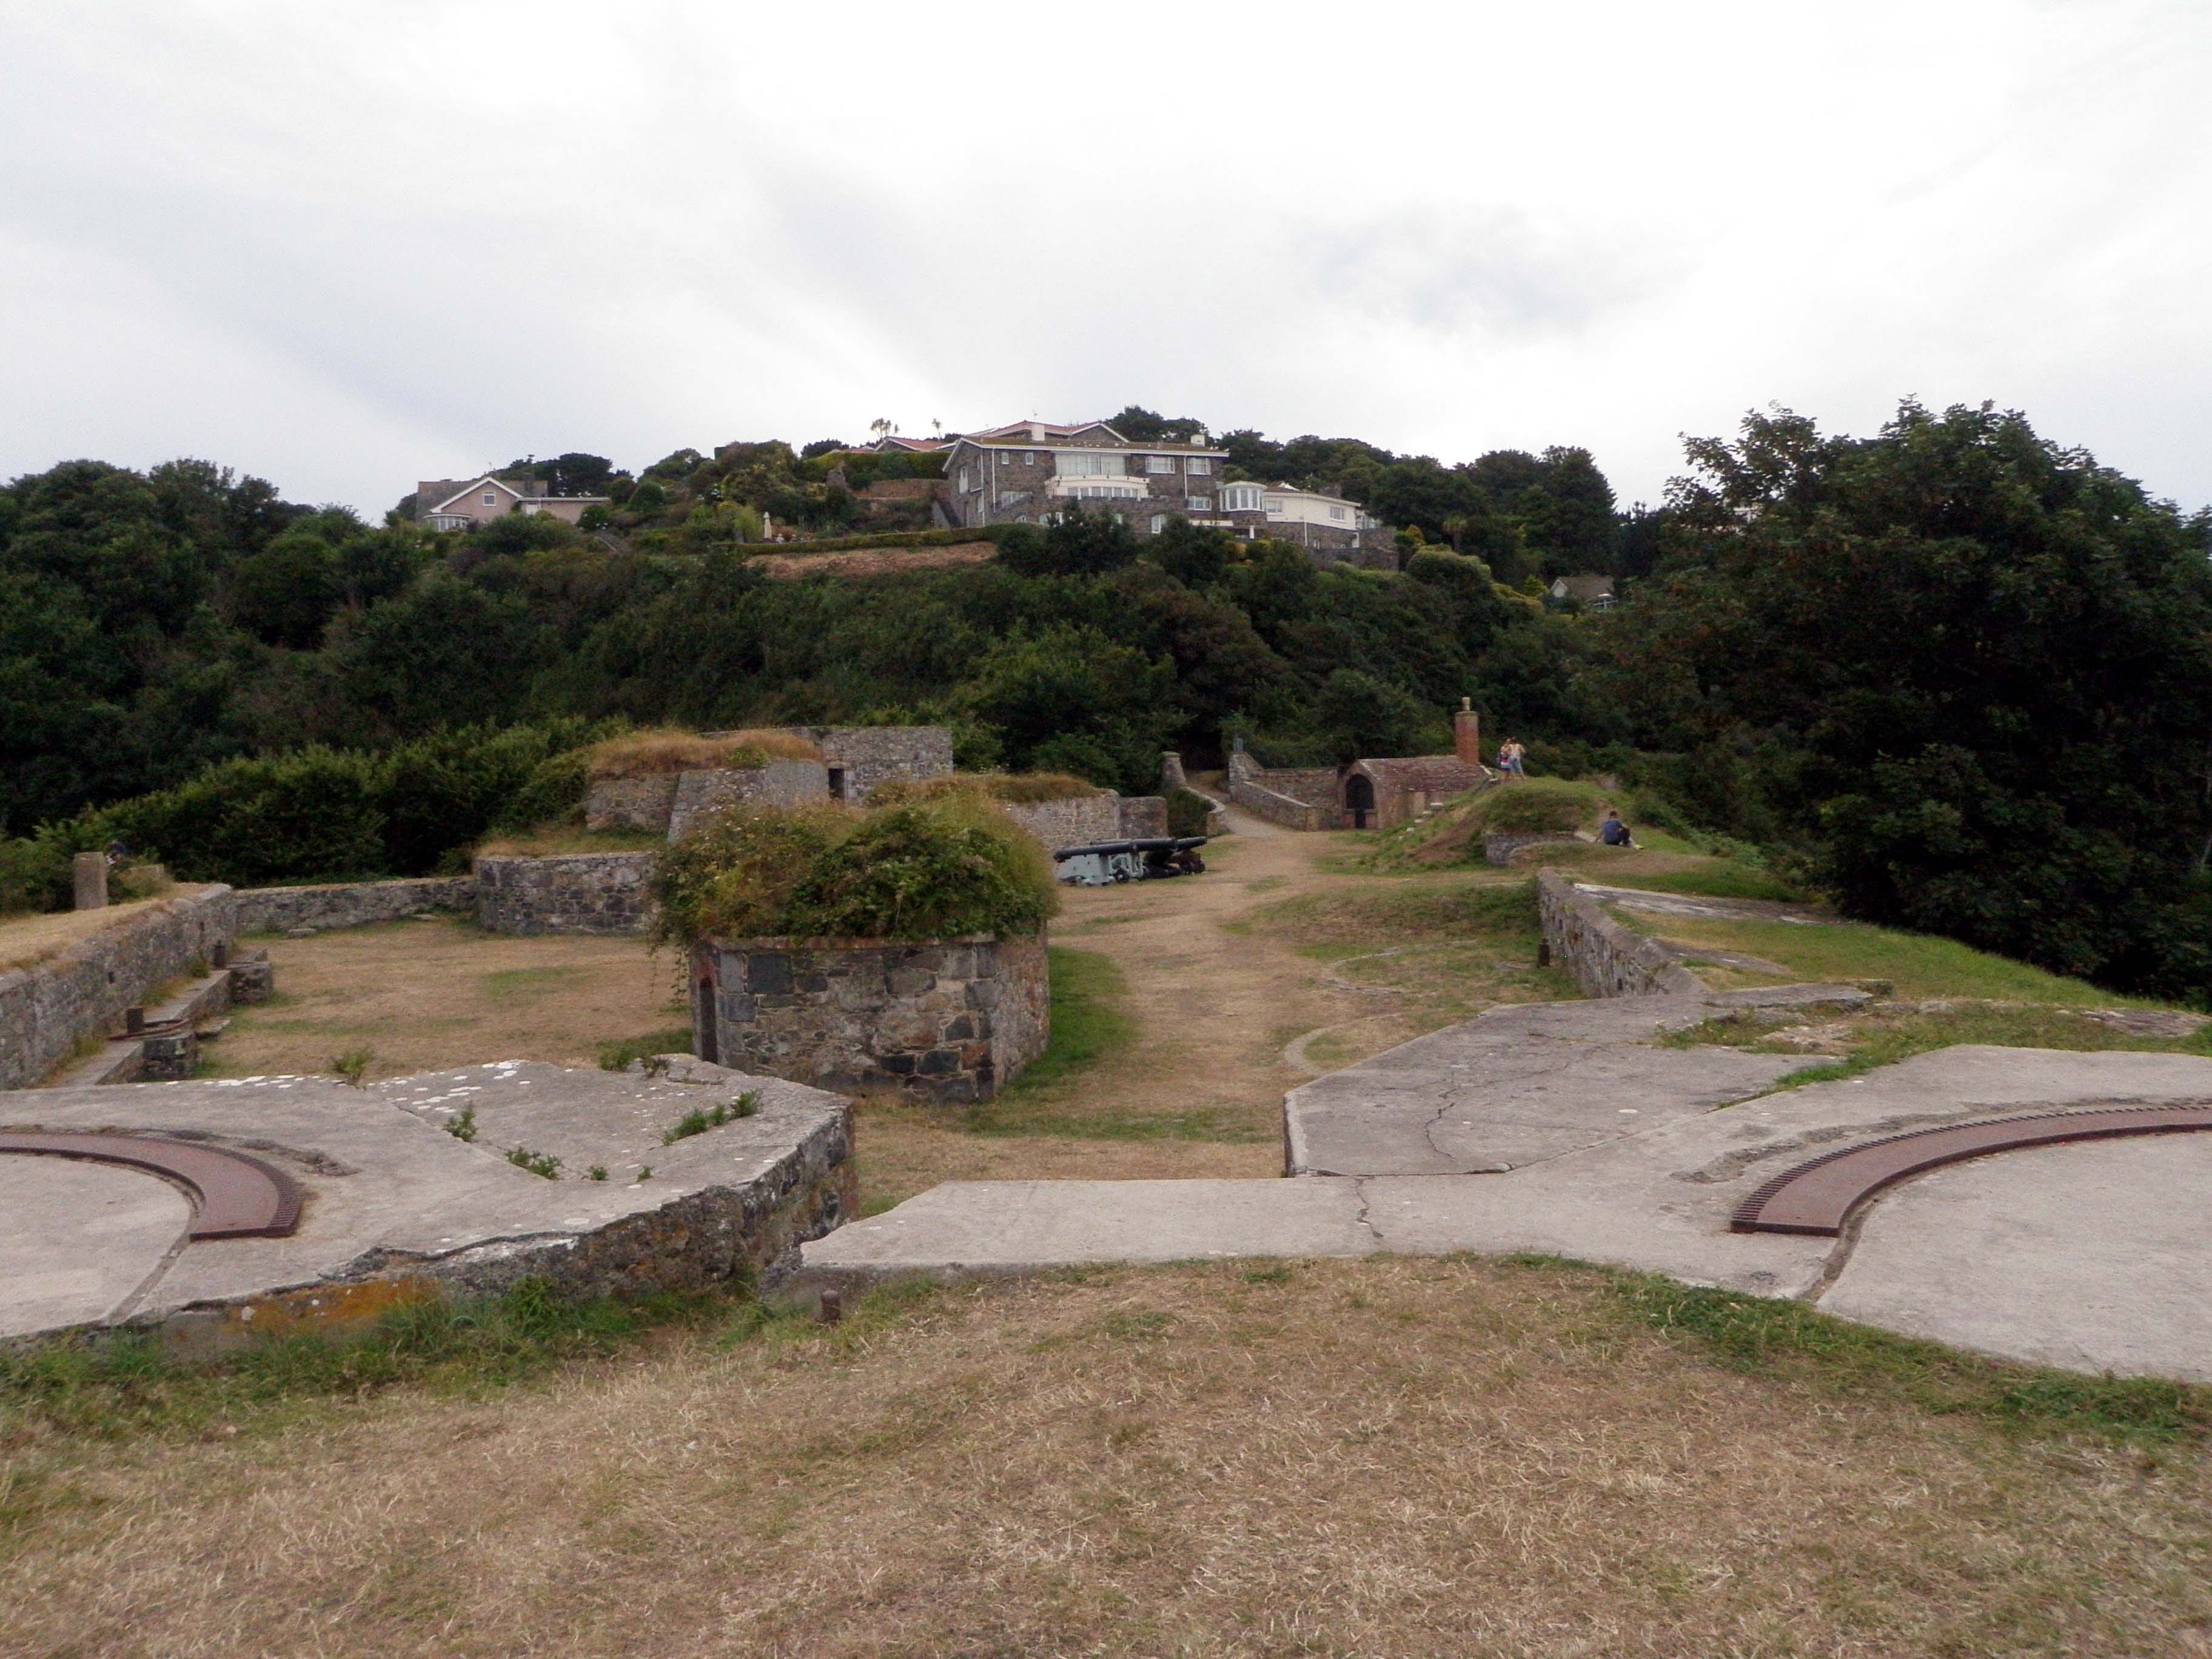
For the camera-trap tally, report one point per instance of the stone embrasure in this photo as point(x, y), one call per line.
point(953, 1019)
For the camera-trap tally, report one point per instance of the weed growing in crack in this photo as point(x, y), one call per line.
point(463, 1127)
point(353, 1065)
point(538, 1163)
point(701, 1119)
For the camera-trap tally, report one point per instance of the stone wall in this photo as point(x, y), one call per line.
point(349, 903)
point(867, 756)
point(46, 1009)
point(631, 803)
point(575, 893)
point(1143, 817)
point(1074, 823)
point(952, 1020)
point(1605, 958)
point(779, 783)
point(1301, 798)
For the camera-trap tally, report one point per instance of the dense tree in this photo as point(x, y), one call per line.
point(1969, 670)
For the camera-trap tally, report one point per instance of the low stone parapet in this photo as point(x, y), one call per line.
point(47, 1010)
point(637, 803)
point(1143, 817)
point(952, 1019)
point(571, 893)
point(350, 904)
point(1605, 958)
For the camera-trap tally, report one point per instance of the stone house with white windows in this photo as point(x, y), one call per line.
point(1033, 471)
point(465, 503)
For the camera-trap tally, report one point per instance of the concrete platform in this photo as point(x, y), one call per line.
point(392, 1198)
point(1520, 1085)
point(2090, 1256)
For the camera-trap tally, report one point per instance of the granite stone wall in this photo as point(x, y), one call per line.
point(46, 1009)
point(779, 783)
point(349, 903)
point(1605, 958)
point(576, 893)
point(1074, 823)
point(1296, 799)
point(642, 804)
point(867, 756)
point(1142, 817)
point(950, 1020)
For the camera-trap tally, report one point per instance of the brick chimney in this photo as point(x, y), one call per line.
point(1467, 732)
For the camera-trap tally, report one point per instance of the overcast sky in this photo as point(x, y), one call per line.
point(345, 247)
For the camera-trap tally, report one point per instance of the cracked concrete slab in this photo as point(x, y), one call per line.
point(1519, 1084)
point(388, 1191)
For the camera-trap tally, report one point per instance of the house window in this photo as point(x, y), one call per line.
point(1159, 462)
point(963, 481)
point(1201, 503)
point(1029, 458)
point(1275, 504)
point(1336, 513)
point(1240, 498)
point(1088, 466)
point(1159, 522)
point(491, 498)
point(1198, 467)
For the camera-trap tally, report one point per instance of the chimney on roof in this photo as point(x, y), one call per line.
point(1036, 433)
point(1467, 732)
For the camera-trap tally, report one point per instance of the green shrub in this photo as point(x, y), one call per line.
point(1188, 812)
point(313, 814)
point(933, 869)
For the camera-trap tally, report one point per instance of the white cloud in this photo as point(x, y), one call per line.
point(346, 247)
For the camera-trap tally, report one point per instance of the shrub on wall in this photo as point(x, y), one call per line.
point(1189, 813)
point(940, 868)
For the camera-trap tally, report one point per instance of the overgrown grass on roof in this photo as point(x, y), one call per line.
point(668, 749)
point(941, 868)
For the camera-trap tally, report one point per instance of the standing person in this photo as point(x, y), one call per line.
point(1509, 758)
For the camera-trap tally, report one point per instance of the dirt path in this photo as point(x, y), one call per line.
point(1215, 1005)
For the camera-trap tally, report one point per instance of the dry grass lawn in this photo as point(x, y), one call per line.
point(1385, 1458)
point(427, 995)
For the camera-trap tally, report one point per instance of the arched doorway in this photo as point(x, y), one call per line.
point(1359, 799)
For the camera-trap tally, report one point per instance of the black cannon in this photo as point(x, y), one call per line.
point(1154, 858)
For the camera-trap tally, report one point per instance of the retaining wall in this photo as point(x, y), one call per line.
point(779, 783)
point(1605, 958)
point(1298, 799)
point(1077, 821)
point(952, 1020)
point(1143, 817)
point(349, 903)
point(631, 804)
point(46, 1009)
point(576, 893)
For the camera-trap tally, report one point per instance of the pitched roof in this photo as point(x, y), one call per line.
point(488, 479)
point(1584, 588)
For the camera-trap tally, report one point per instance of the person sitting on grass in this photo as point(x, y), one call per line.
point(1613, 832)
